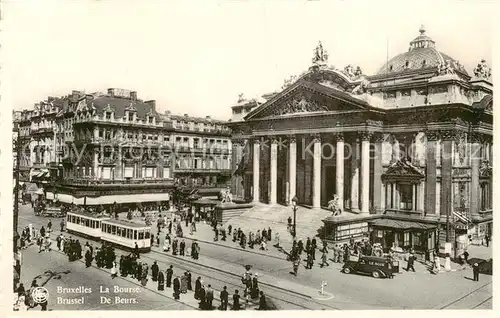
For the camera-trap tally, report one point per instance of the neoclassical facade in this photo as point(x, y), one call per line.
point(412, 143)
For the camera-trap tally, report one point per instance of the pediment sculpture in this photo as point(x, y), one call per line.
point(299, 105)
point(288, 82)
point(361, 88)
point(482, 70)
point(352, 72)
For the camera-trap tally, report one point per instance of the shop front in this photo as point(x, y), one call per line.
point(399, 236)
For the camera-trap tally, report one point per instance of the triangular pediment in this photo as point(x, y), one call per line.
point(402, 170)
point(303, 98)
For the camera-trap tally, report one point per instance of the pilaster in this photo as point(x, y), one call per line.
point(430, 172)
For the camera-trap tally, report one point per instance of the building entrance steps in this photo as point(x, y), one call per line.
point(261, 216)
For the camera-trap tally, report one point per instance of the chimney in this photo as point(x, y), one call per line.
point(186, 115)
point(133, 96)
point(111, 92)
point(152, 103)
point(208, 117)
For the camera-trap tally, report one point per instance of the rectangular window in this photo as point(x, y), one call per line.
point(108, 115)
point(406, 195)
point(130, 117)
point(135, 234)
point(141, 235)
point(406, 239)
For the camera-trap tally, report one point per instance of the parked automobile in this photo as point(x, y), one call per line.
point(377, 267)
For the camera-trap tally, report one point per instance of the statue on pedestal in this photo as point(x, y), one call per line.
point(226, 196)
point(333, 205)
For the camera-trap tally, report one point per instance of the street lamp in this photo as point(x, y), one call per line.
point(294, 207)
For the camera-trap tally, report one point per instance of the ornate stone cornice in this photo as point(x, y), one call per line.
point(476, 137)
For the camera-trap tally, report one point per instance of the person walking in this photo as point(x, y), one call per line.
point(475, 272)
point(224, 298)
point(155, 271)
point(487, 240)
point(262, 301)
point(161, 280)
point(114, 270)
point(411, 261)
point(177, 288)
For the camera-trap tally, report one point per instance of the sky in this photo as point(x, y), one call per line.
point(195, 57)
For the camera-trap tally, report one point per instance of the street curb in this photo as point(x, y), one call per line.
point(233, 274)
point(448, 303)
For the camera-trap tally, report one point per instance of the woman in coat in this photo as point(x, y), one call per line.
point(161, 280)
point(197, 287)
point(166, 243)
point(189, 282)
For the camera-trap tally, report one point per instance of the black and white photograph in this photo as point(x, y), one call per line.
point(248, 155)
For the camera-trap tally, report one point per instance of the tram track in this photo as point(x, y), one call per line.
point(219, 278)
point(448, 305)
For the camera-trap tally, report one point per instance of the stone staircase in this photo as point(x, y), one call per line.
point(262, 216)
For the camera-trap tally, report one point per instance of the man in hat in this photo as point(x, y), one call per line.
point(154, 271)
point(224, 298)
point(170, 273)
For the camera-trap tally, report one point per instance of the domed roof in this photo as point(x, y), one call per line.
point(421, 54)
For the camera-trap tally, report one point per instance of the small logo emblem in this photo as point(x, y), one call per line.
point(40, 295)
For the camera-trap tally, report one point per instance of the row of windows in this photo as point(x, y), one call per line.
point(125, 232)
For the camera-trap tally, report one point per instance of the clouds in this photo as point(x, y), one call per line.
point(196, 57)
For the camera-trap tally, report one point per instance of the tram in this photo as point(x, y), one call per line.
point(126, 234)
point(84, 224)
point(121, 233)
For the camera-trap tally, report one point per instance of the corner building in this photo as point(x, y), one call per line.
point(408, 150)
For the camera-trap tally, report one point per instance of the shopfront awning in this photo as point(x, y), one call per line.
point(110, 199)
point(402, 225)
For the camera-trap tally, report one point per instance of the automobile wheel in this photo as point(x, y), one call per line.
point(347, 270)
point(375, 274)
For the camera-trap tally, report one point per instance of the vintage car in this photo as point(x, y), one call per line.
point(372, 265)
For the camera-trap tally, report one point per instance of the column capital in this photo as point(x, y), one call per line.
point(316, 138)
point(366, 135)
point(239, 142)
point(274, 140)
point(448, 134)
point(292, 138)
point(256, 141)
point(339, 136)
point(432, 135)
point(477, 138)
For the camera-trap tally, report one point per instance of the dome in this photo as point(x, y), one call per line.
point(421, 54)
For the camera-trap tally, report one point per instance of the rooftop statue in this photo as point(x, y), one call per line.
point(482, 70)
point(320, 55)
point(361, 88)
point(288, 82)
point(445, 68)
point(241, 97)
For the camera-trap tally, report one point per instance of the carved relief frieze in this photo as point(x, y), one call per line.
point(299, 104)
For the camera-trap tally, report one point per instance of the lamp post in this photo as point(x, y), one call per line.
point(294, 207)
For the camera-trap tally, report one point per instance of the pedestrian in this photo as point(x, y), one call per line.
point(437, 263)
point(62, 225)
point(296, 263)
point(224, 298)
point(114, 270)
point(475, 272)
point(182, 247)
point(236, 300)
point(209, 297)
point(487, 240)
point(154, 271)
point(177, 288)
point(166, 243)
point(466, 257)
point(197, 287)
point(184, 283)
point(202, 296)
point(254, 293)
point(161, 280)
point(136, 250)
point(411, 261)
point(189, 282)
point(262, 301)
point(170, 273)
point(49, 226)
point(229, 229)
point(277, 238)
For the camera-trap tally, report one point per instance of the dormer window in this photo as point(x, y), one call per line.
point(150, 119)
point(390, 68)
point(424, 63)
point(130, 116)
point(108, 115)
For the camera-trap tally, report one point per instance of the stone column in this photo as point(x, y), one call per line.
point(446, 177)
point(256, 171)
point(378, 169)
point(365, 171)
point(355, 177)
point(274, 171)
point(96, 164)
point(292, 167)
point(316, 202)
point(430, 172)
point(119, 165)
point(414, 197)
point(339, 164)
point(475, 189)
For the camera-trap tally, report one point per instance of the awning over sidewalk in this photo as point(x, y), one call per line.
point(402, 225)
point(110, 199)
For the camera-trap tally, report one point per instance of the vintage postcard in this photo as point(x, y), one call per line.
point(248, 155)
